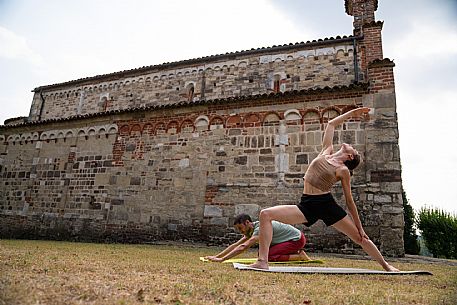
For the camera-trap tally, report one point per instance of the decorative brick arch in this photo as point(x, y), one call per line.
point(348, 108)
point(187, 126)
point(310, 116)
point(271, 118)
point(173, 127)
point(217, 122)
point(160, 128)
point(136, 129)
point(148, 129)
point(252, 120)
point(329, 113)
point(234, 121)
point(124, 130)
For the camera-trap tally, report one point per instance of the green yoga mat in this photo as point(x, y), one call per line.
point(253, 260)
point(328, 270)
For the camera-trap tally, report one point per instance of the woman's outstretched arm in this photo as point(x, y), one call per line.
point(327, 141)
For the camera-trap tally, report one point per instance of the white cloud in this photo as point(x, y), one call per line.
point(16, 47)
point(425, 40)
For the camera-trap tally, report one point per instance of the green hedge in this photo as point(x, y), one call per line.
point(439, 230)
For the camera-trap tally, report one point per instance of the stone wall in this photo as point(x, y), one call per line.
point(185, 172)
point(277, 69)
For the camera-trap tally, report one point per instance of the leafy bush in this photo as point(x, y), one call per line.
point(439, 230)
point(409, 233)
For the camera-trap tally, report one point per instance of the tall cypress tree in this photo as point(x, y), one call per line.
point(409, 232)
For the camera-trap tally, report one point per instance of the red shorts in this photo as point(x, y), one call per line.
point(281, 252)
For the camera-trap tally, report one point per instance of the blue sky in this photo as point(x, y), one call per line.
point(52, 41)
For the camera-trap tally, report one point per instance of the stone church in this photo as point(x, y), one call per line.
point(175, 151)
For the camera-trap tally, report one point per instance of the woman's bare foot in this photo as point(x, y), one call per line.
point(303, 256)
point(260, 264)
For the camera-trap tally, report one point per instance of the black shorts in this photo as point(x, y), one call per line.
point(315, 207)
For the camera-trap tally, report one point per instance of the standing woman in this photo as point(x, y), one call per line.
point(317, 202)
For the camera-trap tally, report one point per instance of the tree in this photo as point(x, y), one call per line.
point(409, 232)
point(439, 230)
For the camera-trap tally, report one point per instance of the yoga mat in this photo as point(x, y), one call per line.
point(253, 260)
point(289, 269)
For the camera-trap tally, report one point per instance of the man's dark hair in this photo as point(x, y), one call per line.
point(241, 219)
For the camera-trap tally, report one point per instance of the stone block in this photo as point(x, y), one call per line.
point(183, 163)
point(384, 100)
point(247, 208)
point(382, 198)
point(219, 221)
point(212, 211)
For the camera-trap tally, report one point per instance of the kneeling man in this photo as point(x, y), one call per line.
point(286, 245)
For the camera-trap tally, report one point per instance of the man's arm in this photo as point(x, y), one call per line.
point(229, 248)
point(236, 249)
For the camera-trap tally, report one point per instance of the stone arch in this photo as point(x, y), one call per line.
point(201, 123)
point(340, 53)
point(60, 135)
point(233, 121)
point(271, 119)
point(187, 126)
point(112, 128)
point(91, 131)
point(101, 130)
point(35, 136)
point(44, 136)
point(277, 82)
point(242, 64)
point(292, 117)
point(69, 134)
point(2, 138)
point(82, 133)
point(216, 122)
point(190, 90)
point(10, 138)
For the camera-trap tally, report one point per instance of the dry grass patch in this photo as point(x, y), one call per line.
point(44, 272)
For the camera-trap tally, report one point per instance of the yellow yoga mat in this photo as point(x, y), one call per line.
point(253, 260)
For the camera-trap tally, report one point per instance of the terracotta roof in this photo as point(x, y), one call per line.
point(199, 60)
point(359, 86)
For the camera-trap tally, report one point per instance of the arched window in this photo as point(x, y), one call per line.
point(190, 92)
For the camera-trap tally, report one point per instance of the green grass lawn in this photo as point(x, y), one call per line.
point(46, 272)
